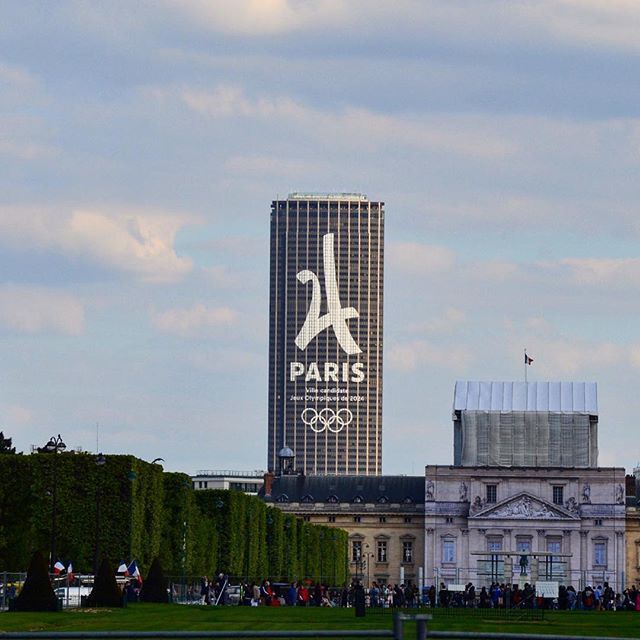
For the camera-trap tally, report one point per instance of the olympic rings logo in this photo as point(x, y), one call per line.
point(327, 418)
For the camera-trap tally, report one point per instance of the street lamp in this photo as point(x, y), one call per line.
point(131, 477)
point(369, 557)
point(54, 446)
point(100, 461)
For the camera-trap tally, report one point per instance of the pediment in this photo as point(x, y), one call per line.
point(523, 507)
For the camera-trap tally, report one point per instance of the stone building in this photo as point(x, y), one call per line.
point(560, 510)
point(632, 529)
point(384, 516)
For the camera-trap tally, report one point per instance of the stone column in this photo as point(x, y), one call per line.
point(429, 554)
point(620, 561)
point(566, 548)
point(584, 557)
point(465, 562)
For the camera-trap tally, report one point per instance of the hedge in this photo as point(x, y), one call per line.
point(146, 513)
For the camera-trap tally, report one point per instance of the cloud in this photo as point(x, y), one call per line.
point(140, 243)
point(258, 17)
point(622, 272)
point(353, 126)
point(416, 258)
point(38, 310)
point(198, 318)
point(450, 321)
point(410, 356)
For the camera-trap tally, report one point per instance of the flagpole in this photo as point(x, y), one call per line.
point(525, 365)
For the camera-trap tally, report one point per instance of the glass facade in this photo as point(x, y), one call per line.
point(325, 337)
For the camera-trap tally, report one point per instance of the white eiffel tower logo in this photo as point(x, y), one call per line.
point(337, 316)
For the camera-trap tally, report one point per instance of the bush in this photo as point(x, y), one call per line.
point(105, 592)
point(154, 588)
point(37, 593)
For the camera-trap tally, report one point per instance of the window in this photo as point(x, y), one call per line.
point(382, 551)
point(600, 554)
point(494, 543)
point(357, 519)
point(597, 522)
point(382, 519)
point(407, 552)
point(356, 550)
point(523, 545)
point(332, 518)
point(407, 519)
point(448, 551)
point(492, 493)
point(449, 520)
point(558, 495)
point(306, 518)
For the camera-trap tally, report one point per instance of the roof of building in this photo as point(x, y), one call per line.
point(297, 195)
point(557, 397)
point(369, 489)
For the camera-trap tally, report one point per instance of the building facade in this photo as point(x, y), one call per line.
point(573, 518)
point(632, 532)
point(383, 515)
point(525, 483)
point(325, 333)
point(249, 482)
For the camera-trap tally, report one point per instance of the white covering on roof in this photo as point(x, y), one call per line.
point(556, 397)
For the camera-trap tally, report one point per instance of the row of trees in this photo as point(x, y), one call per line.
point(131, 509)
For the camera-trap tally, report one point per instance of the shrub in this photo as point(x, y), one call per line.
point(105, 592)
point(154, 588)
point(37, 593)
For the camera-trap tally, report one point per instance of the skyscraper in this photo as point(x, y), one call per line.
point(325, 333)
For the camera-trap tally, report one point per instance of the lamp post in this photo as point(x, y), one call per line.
point(131, 477)
point(321, 553)
point(100, 460)
point(54, 446)
point(369, 558)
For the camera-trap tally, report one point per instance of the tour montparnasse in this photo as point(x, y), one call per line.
point(325, 333)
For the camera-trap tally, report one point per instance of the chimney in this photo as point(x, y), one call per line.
point(268, 483)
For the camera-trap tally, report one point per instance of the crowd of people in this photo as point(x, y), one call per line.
point(378, 595)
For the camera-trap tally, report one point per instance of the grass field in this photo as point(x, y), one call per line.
point(148, 617)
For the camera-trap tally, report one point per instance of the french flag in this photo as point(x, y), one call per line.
point(122, 568)
point(70, 572)
point(58, 567)
point(134, 572)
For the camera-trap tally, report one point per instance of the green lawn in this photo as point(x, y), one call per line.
point(147, 617)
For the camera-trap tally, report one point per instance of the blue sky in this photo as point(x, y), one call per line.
point(142, 142)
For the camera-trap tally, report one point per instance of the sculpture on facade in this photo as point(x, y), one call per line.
point(464, 492)
point(524, 508)
point(586, 493)
point(619, 494)
point(430, 490)
point(477, 504)
point(571, 505)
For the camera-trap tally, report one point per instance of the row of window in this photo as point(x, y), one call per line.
point(523, 545)
point(358, 519)
point(381, 551)
point(491, 494)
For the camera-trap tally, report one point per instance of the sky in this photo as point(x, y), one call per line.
point(141, 144)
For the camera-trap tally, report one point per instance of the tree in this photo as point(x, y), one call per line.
point(5, 444)
point(154, 588)
point(105, 592)
point(37, 593)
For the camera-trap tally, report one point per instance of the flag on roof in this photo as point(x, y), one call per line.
point(134, 572)
point(527, 359)
point(58, 567)
point(122, 568)
point(70, 572)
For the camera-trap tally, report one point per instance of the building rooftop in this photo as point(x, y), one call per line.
point(303, 195)
point(555, 397)
point(365, 489)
